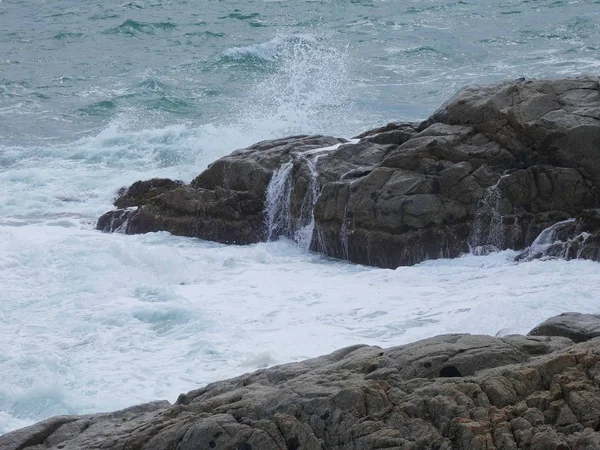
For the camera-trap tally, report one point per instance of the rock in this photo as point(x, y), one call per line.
point(568, 239)
point(141, 192)
point(225, 203)
point(449, 392)
point(575, 326)
point(492, 169)
point(393, 133)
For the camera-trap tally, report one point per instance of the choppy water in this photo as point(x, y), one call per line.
point(95, 95)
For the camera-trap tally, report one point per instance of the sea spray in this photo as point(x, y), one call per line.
point(308, 90)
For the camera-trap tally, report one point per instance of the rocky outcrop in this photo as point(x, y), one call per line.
point(449, 392)
point(225, 203)
point(568, 239)
point(575, 326)
point(491, 169)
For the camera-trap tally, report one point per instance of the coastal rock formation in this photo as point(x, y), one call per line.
point(225, 203)
point(568, 239)
point(449, 392)
point(575, 326)
point(491, 169)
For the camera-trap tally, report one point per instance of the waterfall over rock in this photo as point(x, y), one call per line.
point(277, 204)
point(488, 235)
point(295, 222)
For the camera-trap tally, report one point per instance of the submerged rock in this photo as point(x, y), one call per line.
point(491, 169)
point(449, 392)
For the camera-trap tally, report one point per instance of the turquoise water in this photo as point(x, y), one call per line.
point(68, 68)
point(96, 95)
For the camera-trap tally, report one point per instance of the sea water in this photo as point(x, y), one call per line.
point(96, 95)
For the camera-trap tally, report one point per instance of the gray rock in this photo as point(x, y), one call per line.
point(491, 169)
point(449, 392)
point(575, 326)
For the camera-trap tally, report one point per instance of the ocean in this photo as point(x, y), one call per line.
point(97, 95)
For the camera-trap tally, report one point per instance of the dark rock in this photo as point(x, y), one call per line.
point(491, 169)
point(575, 326)
point(142, 192)
point(396, 133)
point(449, 392)
point(114, 221)
point(568, 239)
point(224, 204)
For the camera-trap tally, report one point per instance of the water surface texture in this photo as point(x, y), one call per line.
point(96, 95)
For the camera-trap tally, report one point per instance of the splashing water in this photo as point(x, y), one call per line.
point(550, 236)
point(280, 220)
point(309, 90)
point(94, 322)
point(277, 205)
point(487, 235)
point(344, 228)
point(304, 232)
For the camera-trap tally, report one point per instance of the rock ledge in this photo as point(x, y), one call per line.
point(449, 392)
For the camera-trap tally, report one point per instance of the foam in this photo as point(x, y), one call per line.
point(114, 320)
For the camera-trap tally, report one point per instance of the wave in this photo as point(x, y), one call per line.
point(306, 89)
point(208, 34)
point(68, 35)
point(101, 108)
point(239, 16)
point(104, 16)
point(133, 28)
point(150, 95)
point(276, 48)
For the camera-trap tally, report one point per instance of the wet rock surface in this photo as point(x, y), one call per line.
point(491, 169)
point(225, 203)
point(449, 392)
point(569, 239)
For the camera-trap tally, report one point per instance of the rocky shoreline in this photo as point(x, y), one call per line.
point(451, 392)
point(513, 165)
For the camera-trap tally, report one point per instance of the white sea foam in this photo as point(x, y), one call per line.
point(94, 322)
